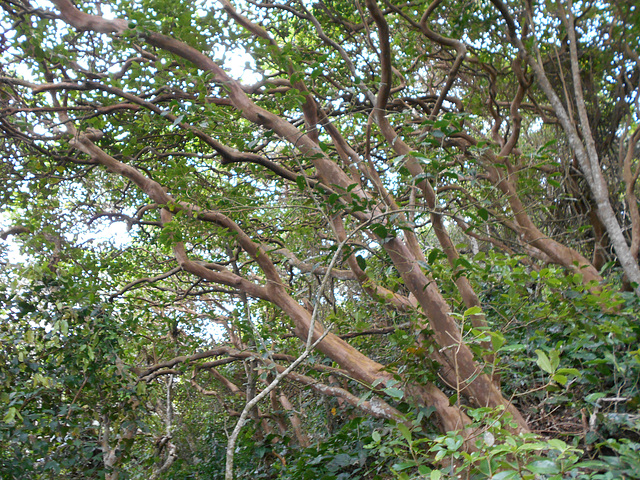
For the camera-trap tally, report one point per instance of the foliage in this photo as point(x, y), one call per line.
point(442, 197)
point(342, 455)
point(63, 375)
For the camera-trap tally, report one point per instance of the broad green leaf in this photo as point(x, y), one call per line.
point(543, 362)
point(394, 393)
point(561, 379)
point(472, 311)
point(557, 444)
point(406, 433)
point(10, 416)
point(546, 467)
point(404, 465)
point(505, 475)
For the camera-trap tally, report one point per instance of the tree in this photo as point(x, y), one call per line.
point(339, 172)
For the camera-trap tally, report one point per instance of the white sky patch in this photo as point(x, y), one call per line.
point(13, 251)
point(240, 65)
point(115, 233)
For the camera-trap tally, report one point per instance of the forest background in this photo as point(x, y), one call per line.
point(369, 239)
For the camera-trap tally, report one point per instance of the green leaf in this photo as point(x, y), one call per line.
point(342, 460)
point(505, 475)
point(553, 183)
point(569, 371)
point(594, 397)
point(380, 230)
point(141, 388)
point(433, 255)
point(543, 362)
point(406, 433)
point(472, 311)
point(544, 467)
point(10, 416)
point(554, 358)
point(364, 397)
point(394, 393)
point(497, 340)
point(424, 470)
point(64, 327)
point(454, 443)
point(440, 455)
point(404, 465)
point(561, 379)
point(557, 444)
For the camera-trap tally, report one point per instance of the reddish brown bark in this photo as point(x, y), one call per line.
point(469, 378)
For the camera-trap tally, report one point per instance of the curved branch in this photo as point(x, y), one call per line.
point(375, 407)
point(17, 230)
point(139, 281)
point(86, 22)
